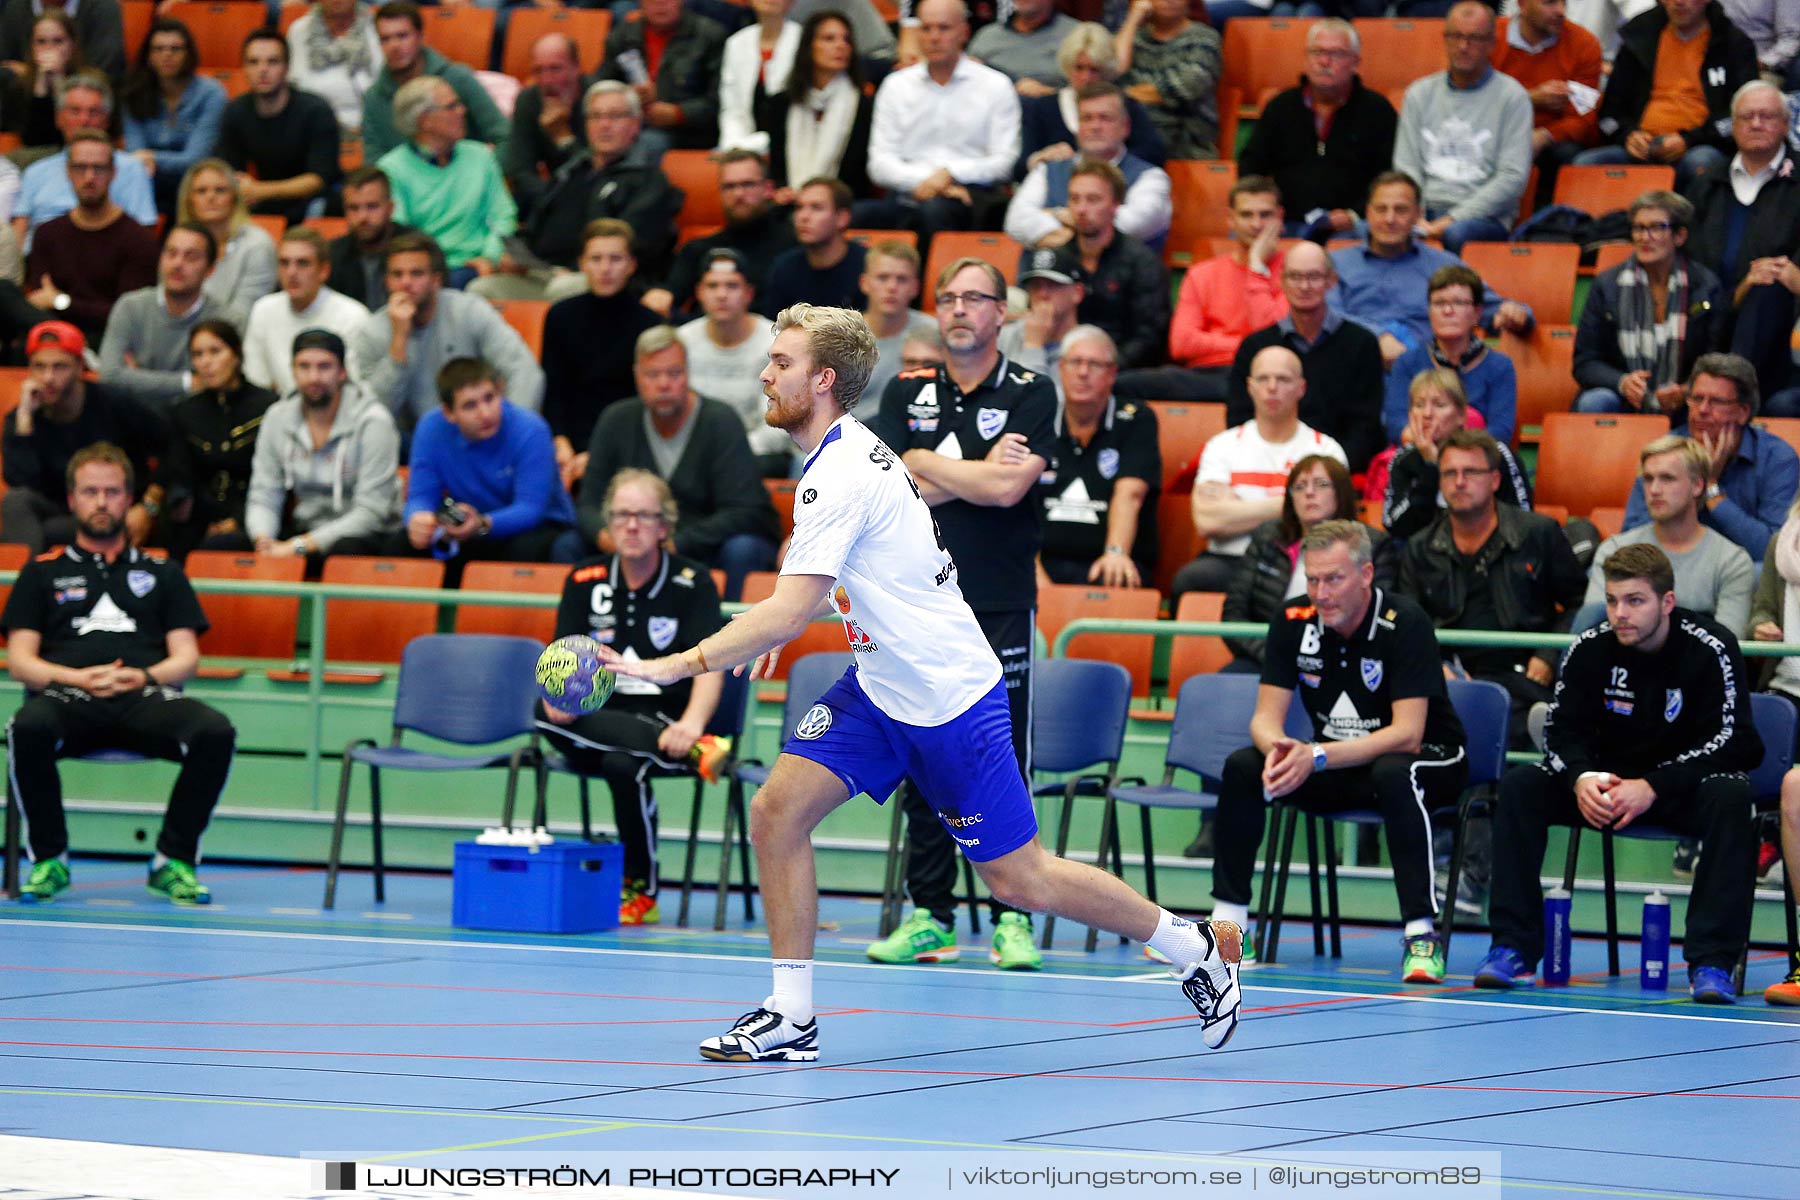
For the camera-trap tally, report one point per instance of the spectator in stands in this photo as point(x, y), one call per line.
point(1456, 296)
point(172, 113)
point(1647, 319)
point(482, 482)
point(1324, 141)
point(548, 128)
point(1602, 18)
point(58, 414)
point(1341, 360)
point(281, 142)
point(946, 131)
point(1753, 475)
point(698, 446)
point(1048, 123)
point(1127, 286)
point(1024, 46)
point(1715, 576)
point(336, 56)
point(1233, 492)
point(645, 601)
point(102, 636)
point(1412, 496)
point(405, 56)
point(756, 230)
point(145, 351)
point(99, 29)
point(1363, 662)
point(1100, 515)
point(589, 344)
point(874, 36)
point(727, 348)
point(820, 123)
point(198, 492)
point(1465, 134)
point(824, 267)
point(45, 192)
point(359, 257)
point(28, 88)
point(304, 302)
point(399, 350)
point(1774, 28)
point(890, 280)
point(325, 474)
point(245, 271)
point(1039, 212)
point(1052, 280)
point(1547, 53)
point(757, 63)
point(670, 59)
point(1670, 89)
point(83, 261)
point(620, 176)
point(1171, 64)
point(1651, 722)
point(1383, 284)
point(446, 185)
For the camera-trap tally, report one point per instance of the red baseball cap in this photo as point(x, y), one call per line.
point(57, 335)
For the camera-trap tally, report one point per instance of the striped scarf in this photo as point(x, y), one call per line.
point(1648, 344)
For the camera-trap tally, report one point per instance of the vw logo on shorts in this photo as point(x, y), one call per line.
point(814, 724)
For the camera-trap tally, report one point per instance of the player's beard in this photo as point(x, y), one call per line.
point(785, 415)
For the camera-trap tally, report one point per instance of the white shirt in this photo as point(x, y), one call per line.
point(1144, 215)
point(1257, 469)
point(858, 519)
point(728, 374)
point(269, 333)
point(1747, 187)
point(970, 126)
point(740, 72)
point(337, 86)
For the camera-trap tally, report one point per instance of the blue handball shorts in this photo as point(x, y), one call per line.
point(965, 768)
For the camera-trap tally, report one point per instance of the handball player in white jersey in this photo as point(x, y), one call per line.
point(924, 699)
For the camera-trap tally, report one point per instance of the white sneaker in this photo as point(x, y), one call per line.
point(764, 1036)
point(1212, 983)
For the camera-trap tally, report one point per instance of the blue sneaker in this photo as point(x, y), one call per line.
point(1711, 985)
point(1503, 968)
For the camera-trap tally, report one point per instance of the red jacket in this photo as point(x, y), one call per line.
point(1221, 304)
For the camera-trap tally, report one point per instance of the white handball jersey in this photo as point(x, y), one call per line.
point(858, 519)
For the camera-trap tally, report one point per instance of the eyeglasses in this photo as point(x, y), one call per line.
point(1307, 278)
point(1448, 305)
point(449, 106)
point(626, 517)
point(1458, 473)
point(1089, 364)
point(1695, 400)
point(966, 299)
point(1650, 228)
point(742, 185)
point(1472, 39)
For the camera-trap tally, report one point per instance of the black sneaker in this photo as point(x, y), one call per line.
point(764, 1036)
point(1687, 855)
point(1212, 983)
point(1202, 845)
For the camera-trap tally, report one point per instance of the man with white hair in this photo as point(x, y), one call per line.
point(446, 185)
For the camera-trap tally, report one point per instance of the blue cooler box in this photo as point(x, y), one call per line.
point(565, 887)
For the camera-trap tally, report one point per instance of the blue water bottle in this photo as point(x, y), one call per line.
point(1558, 941)
point(1653, 959)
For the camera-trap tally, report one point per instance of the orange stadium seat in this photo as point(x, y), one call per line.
point(1597, 190)
point(1060, 603)
point(246, 626)
point(1544, 361)
point(219, 29)
point(1230, 100)
point(272, 225)
point(1262, 56)
point(524, 26)
point(1182, 430)
point(291, 11)
point(1177, 541)
point(1610, 255)
point(538, 578)
point(12, 557)
point(695, 173)
point(137, 15)
point(1396, 52)
point(1540, 274)
point(1785, 428)
point(527, 319)
point(330, 228)
point(1609, 520)
point(1197, 654)
point(947, 247)
point(235, 80)
point(781, 495)
point(1198, 188)
point(377, 630)
point(1589, 460)
point(464, 34)
point(870, 237)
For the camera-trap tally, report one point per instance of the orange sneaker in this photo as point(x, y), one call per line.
point(1787, 992)
point(637, 907)
point(708, 754)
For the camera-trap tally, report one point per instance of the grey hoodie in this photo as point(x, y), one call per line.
point(349, 488)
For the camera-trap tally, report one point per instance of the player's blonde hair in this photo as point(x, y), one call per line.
point(837, 338)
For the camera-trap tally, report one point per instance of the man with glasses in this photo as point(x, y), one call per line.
point(756, 228)
point(47, 187)
point(401, 31)
point(1465, 134)
point(1340, 360)
point(1455, 298)
point(978, 434)
point(1324, 141)
point(445, 185)
point(1559, 65)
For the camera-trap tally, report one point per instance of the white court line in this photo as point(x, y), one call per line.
point(359, 939)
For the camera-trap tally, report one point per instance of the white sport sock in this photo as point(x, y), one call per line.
point(1237, 914)
point(1419, 925)
point(793, 997)
point(1177, 939)
point(158, 861)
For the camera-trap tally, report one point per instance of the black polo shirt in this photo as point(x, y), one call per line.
point(674, 611)
point(90, 612)
point(1349, 685)
point(1078, 506)
point(995, 548)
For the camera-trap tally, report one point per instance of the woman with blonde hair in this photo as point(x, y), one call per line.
point(245, 273)
point(1047, 123)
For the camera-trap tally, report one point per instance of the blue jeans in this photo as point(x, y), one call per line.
point(741, 554)
point(1599, 400)
point(1785, 403)
point(1471, 229)
point(1698, 161)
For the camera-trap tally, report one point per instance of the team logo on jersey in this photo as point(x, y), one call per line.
point(1108, 462)
point(1371, 673)
point(73, 594)
point(1672, 705)
point(140, 583)
point(814, 724)
point(841, 598)
point(105, 617)
point(989, 422)
point(1622, 707)
point(809, 495)
point(662, 631)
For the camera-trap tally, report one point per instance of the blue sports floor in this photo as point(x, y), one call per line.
point(264, 1026)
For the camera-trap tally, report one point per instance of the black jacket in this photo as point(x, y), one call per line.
point(1128, 296)
point(1041, 124)
point(687, 76)
point(853, 168)
point(1771, 230)
point(1411, 500)
point(1261, 583)
point(1729, 64)
point(760, 240)
point(1345, 384)
point(1329, 174)
point(532, 158)
point(1599, 363)
point(1530, 565)
point(348, 276)
point(631, 188)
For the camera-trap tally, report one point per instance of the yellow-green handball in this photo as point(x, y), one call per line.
point(570, 676)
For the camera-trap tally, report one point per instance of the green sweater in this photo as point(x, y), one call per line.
point(485, 122)
point(464, 204)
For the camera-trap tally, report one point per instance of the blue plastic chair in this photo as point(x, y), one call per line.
point(9, 874)
point(470, 689)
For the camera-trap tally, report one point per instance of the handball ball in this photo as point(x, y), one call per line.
point(570, 676)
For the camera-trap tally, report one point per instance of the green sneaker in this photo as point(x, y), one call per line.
point(1014, 948)
point(1424, 961)
point(48, 879)
point(920, 939)
point(175, 879)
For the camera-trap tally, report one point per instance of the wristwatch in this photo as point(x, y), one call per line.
point(1115, 549)
point(1318, 757)
point(1713, 491)
point(298, 545)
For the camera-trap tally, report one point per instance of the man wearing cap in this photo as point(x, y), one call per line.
point(145, 350)
point(58, 414)
point(727, 349)
point(328, 456)
point(1052, 281)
